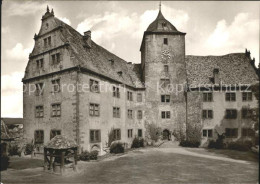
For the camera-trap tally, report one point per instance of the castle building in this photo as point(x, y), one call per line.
point(76, 88)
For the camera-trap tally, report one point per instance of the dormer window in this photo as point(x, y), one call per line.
point(165, 41)
point(164, 24)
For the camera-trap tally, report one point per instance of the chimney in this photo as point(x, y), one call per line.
point(253, 61)
point(248, 54)
point(87, 38)
point(216, 76)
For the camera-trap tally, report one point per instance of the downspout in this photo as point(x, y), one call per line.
point(77, 108)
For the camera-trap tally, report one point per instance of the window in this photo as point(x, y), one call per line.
point(139, 97)
point(39, 111)
point(116, 92)
point(116, 112)
point(248, 132)
point(165, 98)
point(230, 97)
point(207, 97)
point(56, 110)
point(166, 68)
point(207, 114)
point(55, 59)
point(95, 136)
point(117, 134)
point(130, 114)
point(39, 89)
point(165, 83)
point(49, 41)
point(207, 133)
point(231, 114)
point(165, 41)
point(247, 96)
point(130, 133)
point(45, 42)
point(129, 96)
point(94, 86)
point(55, 85)
point(140, 133)
point(93, 109)
point(231, 132)
point(247, 113)
point(39, 136)
point(166, 114)
point(139, 114)
point(39, 63)
point(54, 133)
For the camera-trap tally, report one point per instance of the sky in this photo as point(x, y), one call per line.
point(213, 28)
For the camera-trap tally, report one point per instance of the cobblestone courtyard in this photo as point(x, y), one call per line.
point(167, 164)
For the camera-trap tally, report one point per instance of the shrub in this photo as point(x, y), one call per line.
point(117, 148)
point(84, 156)
point(14, 150)
point(218, 144)
point(153, 131)
point(111, 137)
point(137, 143)
point(190, 143)
point(4, 162)
point(29, 147)
point(240, 145)
point(93, 155)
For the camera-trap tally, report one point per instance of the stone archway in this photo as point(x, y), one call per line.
point(166, 134)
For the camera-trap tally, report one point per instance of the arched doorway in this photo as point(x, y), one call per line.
point(166, 134)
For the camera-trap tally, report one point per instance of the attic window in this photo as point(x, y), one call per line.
point(120, 73)
point(164, 24)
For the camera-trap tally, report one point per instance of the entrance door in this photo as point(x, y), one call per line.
point(166, 134)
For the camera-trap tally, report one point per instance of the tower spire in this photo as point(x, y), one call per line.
point(160, 4)
point(48, 9)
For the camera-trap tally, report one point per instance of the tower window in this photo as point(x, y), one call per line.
point(166, 68)
point(165, 41)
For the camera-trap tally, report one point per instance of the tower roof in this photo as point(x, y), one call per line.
point(160, 24)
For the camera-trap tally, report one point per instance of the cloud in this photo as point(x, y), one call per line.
point(64, 19)
point(24, 8)
point(12, 95)
point(112, 25)
point(242, 33)
point(19, 52)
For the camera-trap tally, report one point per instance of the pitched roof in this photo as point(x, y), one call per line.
point(233, 68)
point(11, 121)
point(160, 24)
point(98, 59)
point(61, 142)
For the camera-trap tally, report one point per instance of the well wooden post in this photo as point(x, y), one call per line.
point(51, 160)
point(75, 159)
point(45, 159)
point(62, 169)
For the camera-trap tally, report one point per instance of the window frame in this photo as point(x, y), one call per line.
point(208, 97)
point(116, 92)
point(56, 107)
point(117, 134)
point(165, 114)
point(116, 112)
point(140, 131)
point(96, 108)
point(139, 114)
point(139, 97)
point(56, 133)
point(165, 98)
point(39, 88)
point(130, 133)
point(230, 115)
point(42, 136)
point(233, 132)
point(38, 111)
point(246, 97)
point(165, 40)
point(96, 138)
point(129, 95)
point(230, 96)
point(55, 85)
point(95, 84)
point(207, 114)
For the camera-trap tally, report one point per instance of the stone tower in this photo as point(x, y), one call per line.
point(164, 74)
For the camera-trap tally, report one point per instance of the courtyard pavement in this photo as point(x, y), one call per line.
point(166, 164)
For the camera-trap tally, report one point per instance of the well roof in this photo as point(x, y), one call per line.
point(61, 142)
